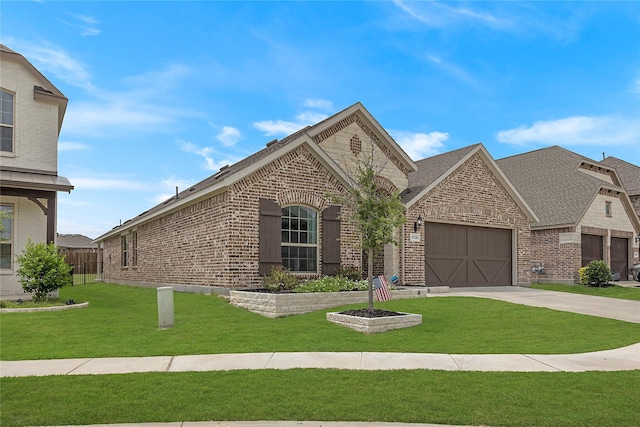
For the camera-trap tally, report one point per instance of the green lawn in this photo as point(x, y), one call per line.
point(122, 321)
point(611, 292)
point(459, 398)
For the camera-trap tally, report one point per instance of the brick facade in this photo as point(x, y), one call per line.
point(470, 195)
point(214, 242)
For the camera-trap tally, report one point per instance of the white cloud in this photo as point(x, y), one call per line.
point(48, 58)
point(72, 146)
point(283, 127)
point(317, 103)
point(577, 130)
point(84, 23)
point(205, 153)
point(439, 15)
point(229, 136)
point(420, 145)
point(454, 70)
point(169, 189)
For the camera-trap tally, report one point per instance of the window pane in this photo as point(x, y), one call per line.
point(5, 255)
point(6, 213)
point(6, 137)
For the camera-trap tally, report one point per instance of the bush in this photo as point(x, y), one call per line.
point(583, 276)
point(42, 270)
point(332, 284)
point(597, 273)
point(352, 273)
point(279, 279)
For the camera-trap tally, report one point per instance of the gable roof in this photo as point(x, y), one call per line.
point(629, 174)
point(431, 171)
point(551, 182)
point(228, 175)
point(46, 91)
point(73, 241)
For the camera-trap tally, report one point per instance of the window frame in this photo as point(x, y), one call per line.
point(124, 251)
point(134, 249)
point(608, 209)
point(288, 261)
point(11, 126)
point(8, 241)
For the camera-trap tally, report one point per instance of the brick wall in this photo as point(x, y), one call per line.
point(214, 242)
point(470, 195)
point(562, 257)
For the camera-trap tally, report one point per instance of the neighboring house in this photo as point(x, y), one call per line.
point(79, 251)
point(584, 211)
point(32, 110)
point(630, 176)
point(275, 208)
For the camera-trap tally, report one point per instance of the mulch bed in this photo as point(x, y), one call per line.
point(364, 312)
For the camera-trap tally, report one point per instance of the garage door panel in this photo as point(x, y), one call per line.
point(458, 255)
point(619, 256)
point(592, 248)
point(497, 272)
point(447, 270)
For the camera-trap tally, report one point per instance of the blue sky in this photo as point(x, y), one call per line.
point(162, 94)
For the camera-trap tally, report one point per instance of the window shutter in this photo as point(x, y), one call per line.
point(330, 240)
point(269, 242)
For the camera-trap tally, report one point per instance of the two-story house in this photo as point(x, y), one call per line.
point(31, 114)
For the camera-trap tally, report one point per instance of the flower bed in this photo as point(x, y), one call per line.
point(372, 325)
point(287, 304)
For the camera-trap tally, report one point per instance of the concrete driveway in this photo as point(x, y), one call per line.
point(612, 308)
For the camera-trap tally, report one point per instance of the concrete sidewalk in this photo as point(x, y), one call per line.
point(621, 359)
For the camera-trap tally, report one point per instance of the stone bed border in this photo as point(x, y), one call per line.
point(38, 309)
point(373, 325)
point(289, 304)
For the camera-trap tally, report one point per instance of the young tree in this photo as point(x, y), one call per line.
point(42, 270)
point(375, 212)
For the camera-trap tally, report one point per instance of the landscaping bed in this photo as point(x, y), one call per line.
point(375, 321)
point(284, 304)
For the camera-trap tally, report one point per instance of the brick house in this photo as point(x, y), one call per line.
point(584, 211)
point(274, 208)
point(32, 111)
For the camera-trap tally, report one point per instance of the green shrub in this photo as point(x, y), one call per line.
point(332, 284)
point(597, 273)
point(42, 270)
point(279, 279)
point(583, 276)
point(352, 273)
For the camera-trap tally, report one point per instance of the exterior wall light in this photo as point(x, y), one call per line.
point(417, 224)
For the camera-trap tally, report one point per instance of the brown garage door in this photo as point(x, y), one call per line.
point(458, 255)
point(591, 248)
point(619, 256)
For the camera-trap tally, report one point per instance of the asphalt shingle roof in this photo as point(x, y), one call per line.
point(629, 174)
point(74, 241)
point(550, 182)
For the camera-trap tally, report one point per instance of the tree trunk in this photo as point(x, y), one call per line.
point(370, 278)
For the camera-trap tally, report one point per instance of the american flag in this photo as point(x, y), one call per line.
point(380, 286)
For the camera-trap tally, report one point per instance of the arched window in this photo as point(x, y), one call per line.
point(300, 239)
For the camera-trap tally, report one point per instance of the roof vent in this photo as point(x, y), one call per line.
point(273, 141)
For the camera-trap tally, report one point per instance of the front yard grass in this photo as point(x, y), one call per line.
point(459, 398)
point(122, 321)
point(614, 291)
